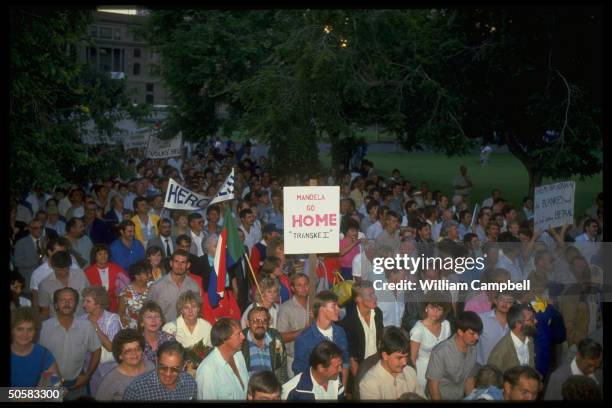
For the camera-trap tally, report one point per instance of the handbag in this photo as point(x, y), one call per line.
point(342, 288)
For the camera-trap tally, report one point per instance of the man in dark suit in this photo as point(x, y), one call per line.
point(586, 363)
point(115, 215)
point(164, 240)
point(29, 250)
point(516, 348)
point(363, 324)
point(243, 276)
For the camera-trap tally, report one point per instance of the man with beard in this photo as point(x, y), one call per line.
point(321, 380)
point(516, 348)
point(450, 373)
point(264, 348)
point(126, 250)
point(70, 340)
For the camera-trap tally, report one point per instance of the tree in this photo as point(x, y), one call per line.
point(529, 73)
point(52, 95)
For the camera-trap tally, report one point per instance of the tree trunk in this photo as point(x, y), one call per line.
point(535, 179)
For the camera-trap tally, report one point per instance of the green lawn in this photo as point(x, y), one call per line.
point(504, 171)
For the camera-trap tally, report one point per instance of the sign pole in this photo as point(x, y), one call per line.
point(312, 267)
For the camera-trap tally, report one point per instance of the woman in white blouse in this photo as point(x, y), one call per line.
point(428, 332)
point(189, 328)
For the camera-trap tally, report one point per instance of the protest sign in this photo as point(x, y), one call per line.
point(226, 192)
point(554, 205)
point(311, 219)
point(181, 198)
point(137, 139)
point(161, 149)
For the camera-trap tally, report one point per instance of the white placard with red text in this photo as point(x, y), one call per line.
point(311, 219)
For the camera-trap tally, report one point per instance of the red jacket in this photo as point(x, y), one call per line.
point(93, 276)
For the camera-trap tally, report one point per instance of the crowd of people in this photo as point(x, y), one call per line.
point(111, 297)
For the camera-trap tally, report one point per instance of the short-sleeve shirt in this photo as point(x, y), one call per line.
point(26, 370)
point(114, 383)
point(165, 293)
point(69, 347)
point(147, 387)
point(291, 316)
point(46, 288)
point(451, 367)
point(346, 261)
point(124, 256)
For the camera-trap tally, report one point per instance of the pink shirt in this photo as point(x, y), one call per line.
point(479, 303)
point(346, 261)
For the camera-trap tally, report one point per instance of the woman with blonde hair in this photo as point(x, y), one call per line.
point(106, 325)
point(268, 298)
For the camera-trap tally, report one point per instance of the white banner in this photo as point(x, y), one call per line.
point(227, 190)
point(136, 140)
point(554, 205)
point(160, 149)
point(181, 198)
point(311, 219)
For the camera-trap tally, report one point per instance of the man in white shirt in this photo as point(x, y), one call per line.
point(495, 194)
point(509, 256)
point(392, 302)
point(250, 227)
point(322, 380)
point(586, 242)
point(586, 363)
point(45, 269)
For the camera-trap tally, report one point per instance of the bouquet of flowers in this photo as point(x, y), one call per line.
point(196, 353)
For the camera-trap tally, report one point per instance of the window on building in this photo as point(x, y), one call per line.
point(92, 56)
point(149, 99)
point(136, 52)
point(106, 33)
point(150, 87)
point(136, 69)
point(117, 33)
point(117, 60)
point(93, 31)
point(105, 59)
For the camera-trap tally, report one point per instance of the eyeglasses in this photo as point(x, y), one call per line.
point(259, 321)
point(174, 370)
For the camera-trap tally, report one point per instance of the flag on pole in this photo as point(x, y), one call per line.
point(228, 252)
point(226, 192)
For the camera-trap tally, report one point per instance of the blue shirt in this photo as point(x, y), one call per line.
point(259, 358)
point(492, 333)
point(310, 338)
point(26, 370)
point(124, 256)
point(147, 387)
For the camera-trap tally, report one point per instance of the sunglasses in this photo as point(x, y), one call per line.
point(174, 370)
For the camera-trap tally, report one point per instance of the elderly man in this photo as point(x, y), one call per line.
point(168, 382)
point(264, 348)
point(223, 375)
point(70, 340)
point(363, 324)
point(166, 291)
point(29, 250)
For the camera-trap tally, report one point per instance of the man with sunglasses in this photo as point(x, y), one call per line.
point(168, 382)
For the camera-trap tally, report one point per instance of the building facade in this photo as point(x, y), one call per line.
point(117, 49)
